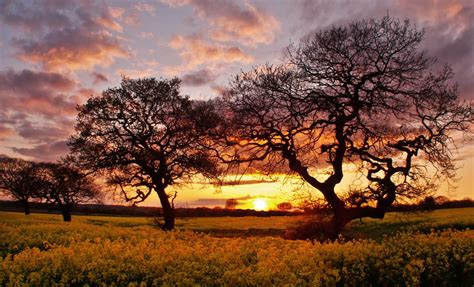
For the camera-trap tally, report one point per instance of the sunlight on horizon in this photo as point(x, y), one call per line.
point(260, 204)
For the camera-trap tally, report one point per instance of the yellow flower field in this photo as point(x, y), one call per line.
point(39, 252)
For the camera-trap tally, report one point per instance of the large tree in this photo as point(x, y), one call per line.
point(64, 186)
point(144, 136)
point(362, 100)
point(18, 179)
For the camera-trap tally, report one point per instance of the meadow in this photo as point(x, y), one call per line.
point(405, 249)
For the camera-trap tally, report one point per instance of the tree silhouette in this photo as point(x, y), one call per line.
point(362, 97)
point(19, 180)
point(231, 203)
point(144, 136)
point(64, 186)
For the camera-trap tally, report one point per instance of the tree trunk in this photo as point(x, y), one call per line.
point(337, 223)
point(66, 215)
point(26, 207)
point(342, 217)
point(168, 210)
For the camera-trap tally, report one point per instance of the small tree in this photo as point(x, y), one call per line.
point(65, 186)
point(18, 179)
point(144, 136)
point(362, 96)
point(231, 203)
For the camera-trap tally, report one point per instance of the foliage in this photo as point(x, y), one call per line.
point(144, 136)
point(51, 254)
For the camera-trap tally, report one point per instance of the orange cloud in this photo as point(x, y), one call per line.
point(65, 35)
point(251, 27)
point(71, 49)
point(195, 52)
point(5, 132)
point(248, 25)
point(136, 73)
point(116, 12)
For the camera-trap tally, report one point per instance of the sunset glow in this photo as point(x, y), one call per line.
point(56, 56)
point(260, 204)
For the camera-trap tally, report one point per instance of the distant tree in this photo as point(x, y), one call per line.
point(18, 179)
point(362, 96)
point(284, 206)
point(65, 186)
point(231, 203)
point(428, 203)
point(144, 137)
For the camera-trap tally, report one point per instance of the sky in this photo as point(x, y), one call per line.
point(55, 54)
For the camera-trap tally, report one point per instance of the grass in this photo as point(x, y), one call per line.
point(460, 218)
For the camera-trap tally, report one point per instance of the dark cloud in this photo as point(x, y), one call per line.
point(99, 78)
point(208, 202)
point(38, 107)
point(36, 92)
point(241, 182)
point(246, 182)
point(65, 35)
point(34, 15)
point(43, 133)
point(45, 152)
point(198, 78)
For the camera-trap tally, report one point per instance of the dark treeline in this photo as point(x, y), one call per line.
point(428, 203)
point(121, 210)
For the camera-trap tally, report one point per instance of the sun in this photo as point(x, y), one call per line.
point(260, 204)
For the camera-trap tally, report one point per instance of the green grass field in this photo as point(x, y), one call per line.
point(459, 218)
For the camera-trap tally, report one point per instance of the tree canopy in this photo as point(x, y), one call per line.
point(18, 179)
point(64, 186)
point(144, 136)
point(363, 96)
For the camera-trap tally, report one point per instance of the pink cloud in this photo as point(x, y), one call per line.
point(71, 49)
point(64, 35)
point(229, 21)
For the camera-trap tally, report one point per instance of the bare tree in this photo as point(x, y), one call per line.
point(65, 186)
point(18, 179)
point(362, 97)
point(144, 136)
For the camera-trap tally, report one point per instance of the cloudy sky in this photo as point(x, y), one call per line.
point(54, 54)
